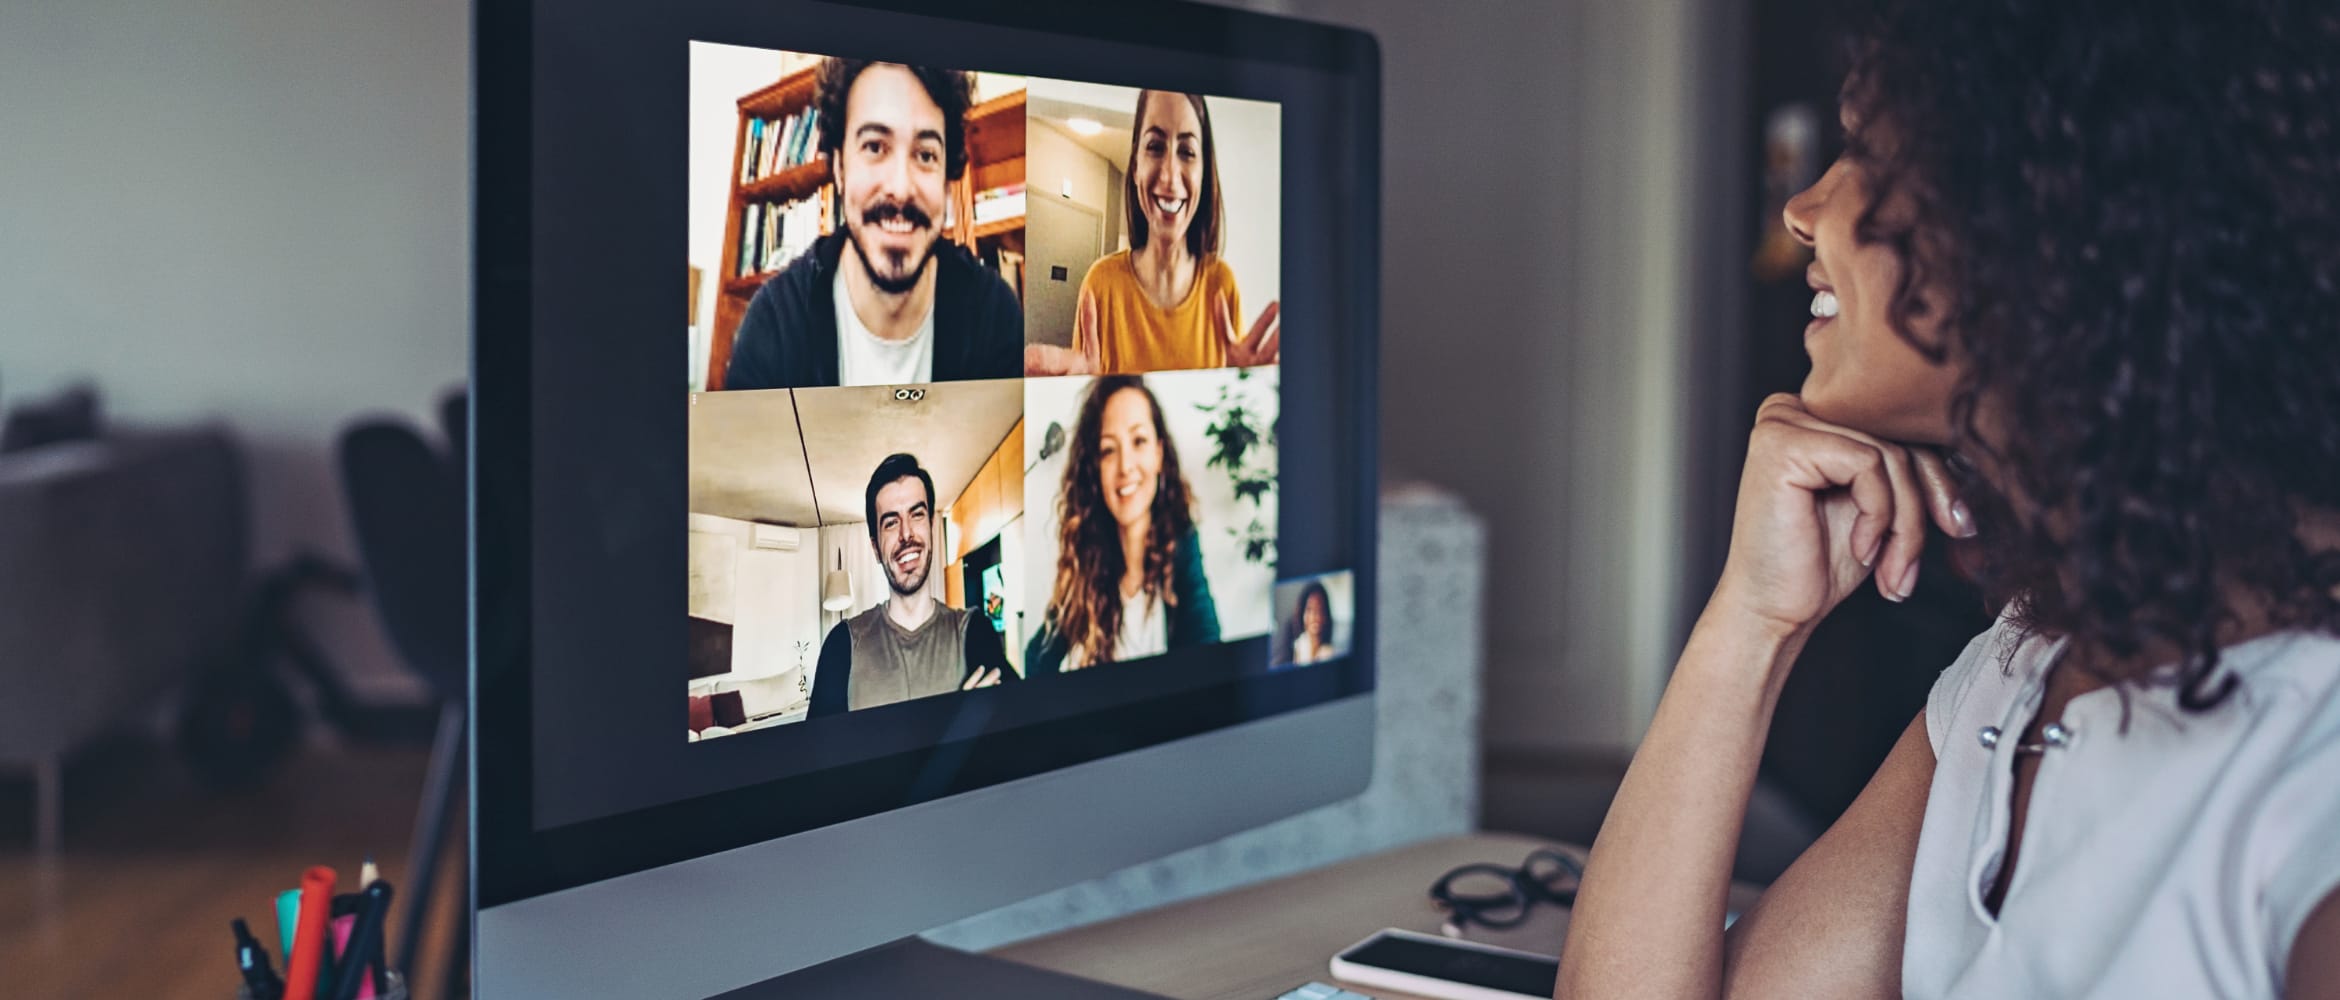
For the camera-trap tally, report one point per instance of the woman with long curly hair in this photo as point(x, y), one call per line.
point(2075, 285)
point(1129, 570)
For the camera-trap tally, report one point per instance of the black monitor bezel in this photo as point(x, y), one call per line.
point(512, 859)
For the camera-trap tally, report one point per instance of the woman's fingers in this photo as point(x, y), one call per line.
point(1942, 500)
point(1264, 329)
point(1267, 335)
point(1917, 493)
point(1087, 339)
point(1835, 461)
point(1047, 359)
point(1897, 569)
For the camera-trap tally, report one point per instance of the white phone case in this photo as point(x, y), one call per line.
point(1443, 989)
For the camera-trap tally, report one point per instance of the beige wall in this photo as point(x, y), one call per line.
point(1051, 159)
point(1538, 159)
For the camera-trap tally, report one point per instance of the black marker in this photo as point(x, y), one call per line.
point(365, 943)
point(252, 961)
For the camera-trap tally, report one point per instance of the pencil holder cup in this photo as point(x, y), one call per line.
point(397, 990)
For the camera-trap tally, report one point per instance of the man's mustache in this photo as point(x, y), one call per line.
point(889, 211)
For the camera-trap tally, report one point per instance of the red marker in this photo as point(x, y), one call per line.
point(310, 937)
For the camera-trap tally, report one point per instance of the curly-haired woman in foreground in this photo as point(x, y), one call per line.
point(2075, 286)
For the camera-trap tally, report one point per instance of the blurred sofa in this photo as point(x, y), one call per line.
point(122, 567)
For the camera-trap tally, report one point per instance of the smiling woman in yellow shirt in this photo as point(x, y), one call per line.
point(1169, 302)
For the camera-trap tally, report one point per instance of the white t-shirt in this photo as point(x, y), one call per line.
point(1144, 630)
point(1306, 650)
point(2176, 859)
point(864, 359)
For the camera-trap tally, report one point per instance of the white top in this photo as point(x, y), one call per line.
point(2177, 859)
point(864, 359)
point(1306, 650)
point(1145, 631)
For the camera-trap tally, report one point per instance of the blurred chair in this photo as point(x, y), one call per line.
point(406, 503)
point(122, 571)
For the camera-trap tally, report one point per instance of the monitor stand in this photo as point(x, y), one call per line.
point(914, 967)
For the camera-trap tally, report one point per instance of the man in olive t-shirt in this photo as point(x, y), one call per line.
point(910, 645)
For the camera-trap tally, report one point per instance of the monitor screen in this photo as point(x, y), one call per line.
point(918, 360)
point(1023, 417)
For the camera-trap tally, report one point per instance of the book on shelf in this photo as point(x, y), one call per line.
point(994, 204)
point(772, 234)
point(777, 144)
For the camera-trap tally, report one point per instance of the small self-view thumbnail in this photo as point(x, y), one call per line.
point(1315, 616)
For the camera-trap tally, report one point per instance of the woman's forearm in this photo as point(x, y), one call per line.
point(1648, 921)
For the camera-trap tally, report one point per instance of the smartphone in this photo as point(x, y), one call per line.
point(1445, 968)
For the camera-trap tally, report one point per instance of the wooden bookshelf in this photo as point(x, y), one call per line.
point(800, 181)
point(790, 95)
point(995, 158)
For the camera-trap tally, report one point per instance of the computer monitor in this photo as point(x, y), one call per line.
point(1003, 515)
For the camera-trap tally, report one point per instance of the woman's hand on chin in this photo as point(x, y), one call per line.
point(1821, 509)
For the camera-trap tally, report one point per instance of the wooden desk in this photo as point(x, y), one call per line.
point(1256, 942)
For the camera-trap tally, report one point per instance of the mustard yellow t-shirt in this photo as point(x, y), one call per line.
point(1136, 336)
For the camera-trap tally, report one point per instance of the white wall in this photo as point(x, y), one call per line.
point(1242, 589)
point(254, 211)
point(770, 597)
point(720, 76)
point(776, 597)
point(1251, 171)
point(713, 554)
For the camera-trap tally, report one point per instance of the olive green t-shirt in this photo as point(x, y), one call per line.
point(892, 663)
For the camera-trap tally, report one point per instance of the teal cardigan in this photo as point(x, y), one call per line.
point(1194, 619)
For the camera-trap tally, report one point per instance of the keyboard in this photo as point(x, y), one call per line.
point(1321, 991)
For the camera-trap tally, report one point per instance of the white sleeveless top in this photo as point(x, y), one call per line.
point(2177, 859)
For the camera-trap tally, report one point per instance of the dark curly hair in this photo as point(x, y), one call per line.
point(1086, 605)
point(2129, 210)
point(951, 90)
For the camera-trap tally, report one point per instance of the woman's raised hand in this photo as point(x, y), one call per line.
point(1082, 358)
point(1264, 345)
point(1822, 508)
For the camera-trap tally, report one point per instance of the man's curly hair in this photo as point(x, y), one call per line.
point(2132, 211)
point(951, 90)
